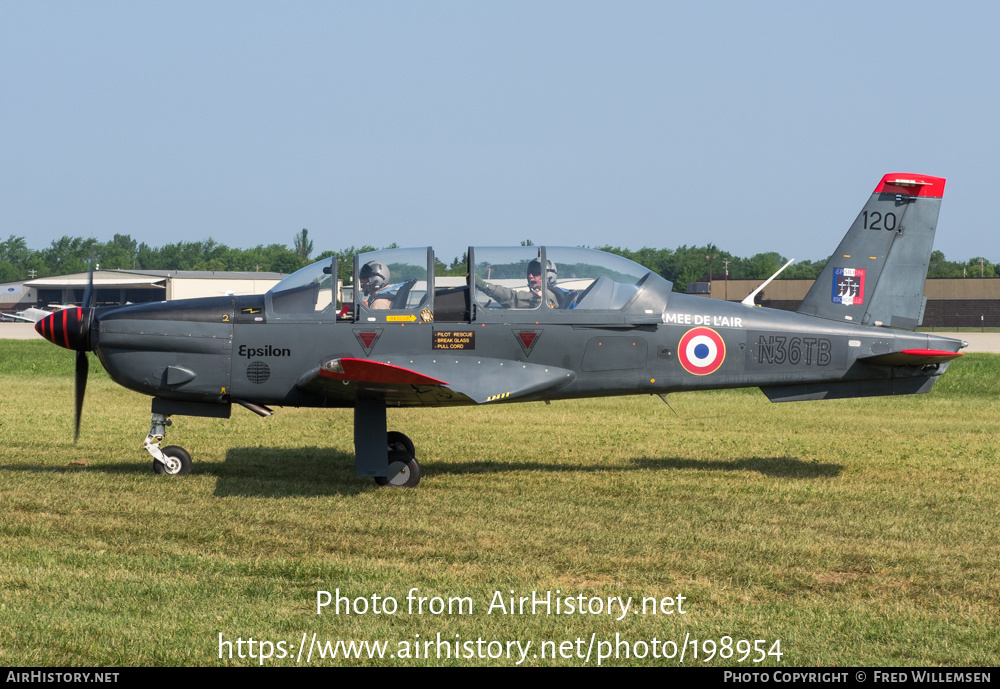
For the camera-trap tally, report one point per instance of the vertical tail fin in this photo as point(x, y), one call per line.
point(876, 276)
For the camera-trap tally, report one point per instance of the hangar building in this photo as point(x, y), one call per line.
point(951, 302)
point(133, 286)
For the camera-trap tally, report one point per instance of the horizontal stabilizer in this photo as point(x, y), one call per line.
point(844, 389)
point(911, 357)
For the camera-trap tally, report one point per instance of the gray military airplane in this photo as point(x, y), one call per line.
point(587, 324)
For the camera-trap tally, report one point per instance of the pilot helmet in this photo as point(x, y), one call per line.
point(534, 268)
point(377, 274)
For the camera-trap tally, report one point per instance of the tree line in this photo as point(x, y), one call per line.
point(705, 263)
point(681, 265)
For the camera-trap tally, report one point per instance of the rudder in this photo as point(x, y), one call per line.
point(877, 274)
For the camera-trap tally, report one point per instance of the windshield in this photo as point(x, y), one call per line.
point(306, 291)
point(591, 279)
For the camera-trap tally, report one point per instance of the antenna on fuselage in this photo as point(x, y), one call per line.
point(667, 402)
point(748, 301)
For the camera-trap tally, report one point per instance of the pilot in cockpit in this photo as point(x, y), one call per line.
point(374, 278)
point(557, 297)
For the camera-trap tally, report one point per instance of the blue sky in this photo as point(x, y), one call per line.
point(757, 126)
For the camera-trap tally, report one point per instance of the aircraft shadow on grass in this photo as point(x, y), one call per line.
point(775, 467)
point(269, 472)
point(249, 471)
point(315, 471)
point(277, 473)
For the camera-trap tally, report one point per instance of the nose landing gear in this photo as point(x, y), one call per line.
point(172, 460)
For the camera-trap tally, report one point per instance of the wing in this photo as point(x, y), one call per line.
point(29, 315)
point(433, 380)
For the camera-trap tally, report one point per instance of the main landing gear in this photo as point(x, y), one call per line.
point(386, 456)
point(404, 469)
point(172, 460)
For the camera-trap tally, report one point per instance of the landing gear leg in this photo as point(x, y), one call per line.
point(171, 460)
point(387, 457)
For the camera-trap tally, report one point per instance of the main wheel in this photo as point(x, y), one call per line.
point(398, 441)
point(178, 461)
point(404, 470)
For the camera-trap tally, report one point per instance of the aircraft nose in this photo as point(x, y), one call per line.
point(69, 328)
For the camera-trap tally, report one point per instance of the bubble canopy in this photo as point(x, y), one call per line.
point(496, 278)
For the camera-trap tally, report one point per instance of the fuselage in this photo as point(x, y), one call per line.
point(223, 349)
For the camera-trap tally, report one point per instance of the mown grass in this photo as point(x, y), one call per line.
point(859, 532)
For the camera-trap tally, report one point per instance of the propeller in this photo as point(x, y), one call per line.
point(82, 368)
point(70, 328)
point(82, 364)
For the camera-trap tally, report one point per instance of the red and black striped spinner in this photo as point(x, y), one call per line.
point(69, 328)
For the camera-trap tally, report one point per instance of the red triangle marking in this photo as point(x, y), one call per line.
point(527, 339)
point(367, 338)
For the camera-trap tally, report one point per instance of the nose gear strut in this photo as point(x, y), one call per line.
point(171, 460)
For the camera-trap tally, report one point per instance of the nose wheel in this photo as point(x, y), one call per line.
point(176, 461)
point(404, 469)
point(172, 460)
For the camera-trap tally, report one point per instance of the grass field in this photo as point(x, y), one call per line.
point(856, 532)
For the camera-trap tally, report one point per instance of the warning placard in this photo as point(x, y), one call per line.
point(454, 339)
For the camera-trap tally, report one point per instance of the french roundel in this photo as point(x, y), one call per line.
point(701, 351)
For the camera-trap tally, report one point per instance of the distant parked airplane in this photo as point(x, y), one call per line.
point(33, 315)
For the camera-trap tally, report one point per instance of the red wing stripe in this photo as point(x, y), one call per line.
point(366, 371)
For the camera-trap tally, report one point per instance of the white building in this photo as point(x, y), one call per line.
point(133, 286)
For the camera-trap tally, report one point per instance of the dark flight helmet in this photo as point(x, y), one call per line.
point(535, 268)
point(377, 274)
